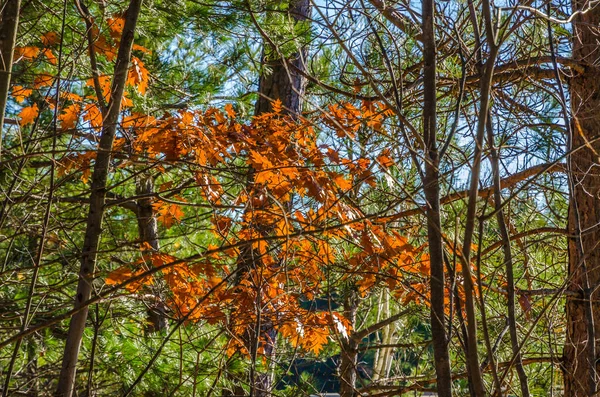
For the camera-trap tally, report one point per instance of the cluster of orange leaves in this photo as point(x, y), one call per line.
point(292, 249)
point(76, 109)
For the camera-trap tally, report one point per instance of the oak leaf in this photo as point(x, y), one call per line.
point(43, 80)
point(229, 110)
point(28, 114)
point(258, 161)
point(50, 56)
point(277, 106)
point(341, 182)
point(105, 85)
point(384, 159)
point(138, 75)
point(222, 225)
point(116, 25)
point(123, 274)
point(20, 93)
point(93, 114)
point(28, 53)
point(140, 48)
point(68, 118)
point(317, 339)
point(168, 213)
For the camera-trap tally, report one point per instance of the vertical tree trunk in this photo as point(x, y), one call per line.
point(485, 85)
point(282, 81)
point(384, 356)
point(349, 354)
point(508, 260)
point(8, 37)
point(285, 81)
point(432, 194)
point(66, 382)
point(583, 311)
point(148, 232)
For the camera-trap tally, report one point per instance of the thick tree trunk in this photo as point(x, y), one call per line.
point(583, 311)
point(285, 80)
point(8, 36)
point(432, 194)
point(66, 382)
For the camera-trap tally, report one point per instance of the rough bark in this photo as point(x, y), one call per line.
point(284, 78)
point(580, 353)
point(66, 382)
point(8, 36)
point(148, 232)
point(432, 194)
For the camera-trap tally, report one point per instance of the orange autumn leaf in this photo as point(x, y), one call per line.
point(105, 85)
point(118, 276)
point(43, 80)
point(28, 114)
point(68, 118)
point(138, 75)
point(123, 274)
point(384, 159)
point(28, 53)
point(168, 213)
point(341, 182)
point(277, 106)
point(49, 39)
point(50, 56)
point(140, 48)
point(258, 161)
point(104, 47)
point(222, 224)
point(20, 93)
point(93, 114)
point(317, 340)
point(229, 110)
point(126, 102)
point(85, 175)
point(116, 25)
point(70, 96)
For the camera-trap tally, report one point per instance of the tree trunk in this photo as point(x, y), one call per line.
point(349, 354)
point(284, 81)
point(432, 194)
point(66, 382)
point(508, 260)
point(148, 232)
point(580, 356)
point(384, 356)
point(8, 37)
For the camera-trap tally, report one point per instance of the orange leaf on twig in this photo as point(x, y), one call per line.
point(28, 114)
